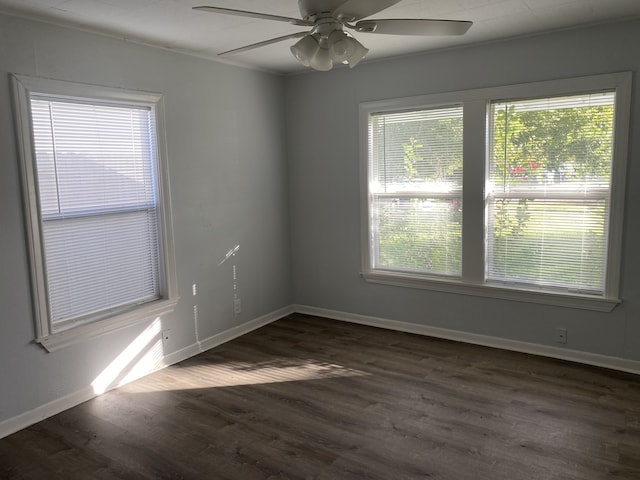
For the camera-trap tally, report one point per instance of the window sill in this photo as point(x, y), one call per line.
point(585, 302)
point(89, 331)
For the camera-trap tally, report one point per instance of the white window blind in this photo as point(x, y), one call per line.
point(415, 190)
point(95, 166)
point(548, 201)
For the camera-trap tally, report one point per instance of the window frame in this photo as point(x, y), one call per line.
point(23, 88)
point(476, 122)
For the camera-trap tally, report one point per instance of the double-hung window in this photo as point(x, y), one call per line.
point(550, 163)
point(97, 207)
point(416, 190)
point(512, 192)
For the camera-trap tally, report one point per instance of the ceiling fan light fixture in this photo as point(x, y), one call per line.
point(305, 49)
point(327, 42)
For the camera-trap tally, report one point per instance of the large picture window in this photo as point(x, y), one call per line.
point(540, 168)
point(97, 206)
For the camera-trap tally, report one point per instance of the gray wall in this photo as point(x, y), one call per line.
point(226, 146)
point(322, 133)
point(271, 165)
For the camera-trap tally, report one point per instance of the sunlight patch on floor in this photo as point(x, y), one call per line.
point(230, 374)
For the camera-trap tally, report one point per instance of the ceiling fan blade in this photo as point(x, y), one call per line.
point(263, 44)
point(352, 10)
point(406, 26)
point(264, 16)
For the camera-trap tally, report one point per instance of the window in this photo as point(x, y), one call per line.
point(97, 207)
point(512, 192)
point(549, 187)
point(416, 190)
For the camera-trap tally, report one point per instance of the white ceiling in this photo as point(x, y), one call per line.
point(172, 24)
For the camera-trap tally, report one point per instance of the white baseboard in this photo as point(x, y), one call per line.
point(12, 425)
point(615, 363)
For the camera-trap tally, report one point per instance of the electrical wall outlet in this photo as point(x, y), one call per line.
point(561, 335)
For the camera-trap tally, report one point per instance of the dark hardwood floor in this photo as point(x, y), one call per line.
point(310, 398)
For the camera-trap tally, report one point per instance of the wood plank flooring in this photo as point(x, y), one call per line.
point(311, 398)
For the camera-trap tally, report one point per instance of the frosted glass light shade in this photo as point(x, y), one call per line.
point(305, 49)
point(346, 49)
point(360, 51)
point(341, 48)
point(322, 60)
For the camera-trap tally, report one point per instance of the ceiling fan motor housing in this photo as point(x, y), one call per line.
point(309, 9)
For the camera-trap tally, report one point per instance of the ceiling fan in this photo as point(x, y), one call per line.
point(327, 42)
